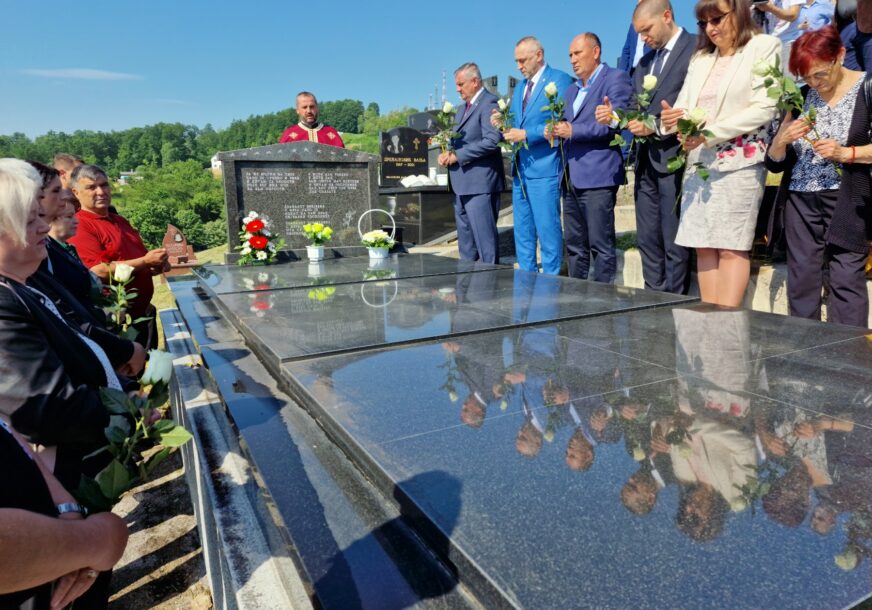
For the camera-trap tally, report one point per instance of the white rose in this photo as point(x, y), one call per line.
point(246, 250)
point(158, 368)
point(649, 82)
point(697, 115)
point(761, 67)
point(123, 272)
point(447, 107)
point(501, 104)
point(551, 89)
point(261, 255)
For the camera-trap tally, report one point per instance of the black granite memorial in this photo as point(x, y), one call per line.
point(404, 153)
point(424, 122)
point(556, 443)
point(296, 183)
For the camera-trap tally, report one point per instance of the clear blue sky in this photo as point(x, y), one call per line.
point(109, 65)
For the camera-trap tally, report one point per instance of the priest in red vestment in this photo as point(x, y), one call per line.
point(309, 129)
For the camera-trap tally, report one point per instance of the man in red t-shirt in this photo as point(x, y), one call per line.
point(105, 238)
point(309, 129)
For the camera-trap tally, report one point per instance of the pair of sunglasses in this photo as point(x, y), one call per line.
point(715, 21)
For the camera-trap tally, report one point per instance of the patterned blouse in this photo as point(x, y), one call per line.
point(813, 173)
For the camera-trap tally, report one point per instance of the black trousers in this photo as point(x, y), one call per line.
point(811, 262)
point(665, 265)
point(589, 232)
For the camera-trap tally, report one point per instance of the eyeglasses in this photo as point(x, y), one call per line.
point(715, 21)
point(819, 76)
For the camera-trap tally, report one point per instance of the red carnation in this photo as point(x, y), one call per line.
point(258, 242)
point(254, 226)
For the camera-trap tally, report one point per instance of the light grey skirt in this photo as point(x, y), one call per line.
point(721, 212)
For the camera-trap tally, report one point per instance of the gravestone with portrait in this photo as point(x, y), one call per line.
point(292, 184)
point(404, 153)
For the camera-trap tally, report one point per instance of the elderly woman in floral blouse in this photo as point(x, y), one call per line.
point(827, 183)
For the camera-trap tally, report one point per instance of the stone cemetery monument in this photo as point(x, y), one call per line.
point(425, 122)
point(296, 183)
point(404, 153)
point(181, 255)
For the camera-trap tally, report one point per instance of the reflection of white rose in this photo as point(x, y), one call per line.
point(158, 368)
point(847, 560)
point(551, 89)
point(501, 104)
point(549, 435)
point(737, 505)
point(123, 272)
point(447, 107)
point(452, 396)
point(697, 115)
point(761, 67)
point(638, 454)
point(261, 255)
point(504, 404)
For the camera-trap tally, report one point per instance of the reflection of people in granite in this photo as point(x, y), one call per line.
point(702, 512)
point(478, 360)
point(713, 350)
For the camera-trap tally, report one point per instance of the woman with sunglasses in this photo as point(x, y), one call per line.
point(826, 186)
point(719, 205)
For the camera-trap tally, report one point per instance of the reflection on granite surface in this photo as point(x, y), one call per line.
point(222, 279)
point(326, 317)
point(674, 457)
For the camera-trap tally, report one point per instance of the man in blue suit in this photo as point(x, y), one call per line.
point(536, 167)
point(475, 169)
point(595, 169)
point(665, 265)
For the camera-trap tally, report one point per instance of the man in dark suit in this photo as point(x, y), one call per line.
point(595, 168)
point(475, 169)
point(664, 264)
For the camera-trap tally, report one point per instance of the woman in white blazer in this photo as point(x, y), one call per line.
point(719, 214)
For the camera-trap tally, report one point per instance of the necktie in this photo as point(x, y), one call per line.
point(527, 91)
point(659, 57)
point(466, 110)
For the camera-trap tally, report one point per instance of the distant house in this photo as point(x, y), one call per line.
point(217, 171)
point(126, 177)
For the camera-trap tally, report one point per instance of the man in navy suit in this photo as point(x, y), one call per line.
point(536, 166)
point(475, 169)
point(665, 265)
point(595, 168)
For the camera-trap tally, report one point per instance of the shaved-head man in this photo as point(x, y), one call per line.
point(665, 265)
point(536, 166)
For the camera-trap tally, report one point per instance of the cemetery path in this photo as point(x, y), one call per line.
point(162, 566)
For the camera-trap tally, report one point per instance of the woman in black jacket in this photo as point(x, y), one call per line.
point(826, 215)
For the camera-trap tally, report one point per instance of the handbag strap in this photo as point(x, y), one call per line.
point(867, 95)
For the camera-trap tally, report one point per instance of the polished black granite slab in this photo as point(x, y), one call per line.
point(304, 322)
point(223, 279)
point(681, 457)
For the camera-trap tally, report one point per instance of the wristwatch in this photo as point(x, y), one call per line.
point(71, 507)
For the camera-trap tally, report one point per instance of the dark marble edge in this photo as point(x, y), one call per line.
point(470, 573)
point(343, 282)
point(372, 504)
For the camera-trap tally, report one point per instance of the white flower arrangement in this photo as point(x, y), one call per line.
point(377, 239)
